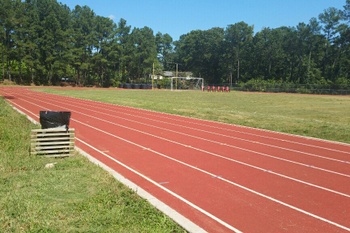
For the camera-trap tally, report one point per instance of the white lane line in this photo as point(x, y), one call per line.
point(223, 179)
point(229, 159)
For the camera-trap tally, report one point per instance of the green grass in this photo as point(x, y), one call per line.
point(325, 117)
point(74, 196)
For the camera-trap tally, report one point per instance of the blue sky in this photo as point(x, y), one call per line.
point(178, 17)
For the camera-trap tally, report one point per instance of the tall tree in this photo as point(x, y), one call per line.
point(268, 54)
point(82, 24)
point(142, 53)
point(30, 39)
point(237, 37)
point(345, 41)
point(347, 11)
point(201, 51)
point(8, 23)
point(189, 50)
point(331, 26)
point(19, 42)
point(122, 36)
point(314, 43)
point(102, 56)
point(164, 49)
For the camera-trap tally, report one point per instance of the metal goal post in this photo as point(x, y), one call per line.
point(186, 83)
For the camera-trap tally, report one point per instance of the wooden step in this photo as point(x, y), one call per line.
point(53, 142)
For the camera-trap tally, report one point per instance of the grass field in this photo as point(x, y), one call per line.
point(74, 196)
point(326, 117)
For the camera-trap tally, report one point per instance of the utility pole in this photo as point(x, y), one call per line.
point(152, 75)
point(176, 71)
point(238, 70)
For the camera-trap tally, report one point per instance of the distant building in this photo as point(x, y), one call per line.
point(170, 74)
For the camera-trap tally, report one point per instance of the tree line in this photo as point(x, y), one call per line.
point(43, 41)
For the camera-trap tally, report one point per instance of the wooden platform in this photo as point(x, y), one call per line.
point(55, 142)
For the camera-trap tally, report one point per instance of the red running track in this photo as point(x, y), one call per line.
point(220, 177)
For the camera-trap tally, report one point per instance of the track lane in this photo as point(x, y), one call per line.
point(325, 182)
point(134, 161)
point(268, 188)
point(245, 207)
point(241, 130)
point(342, 150)
point(299, 153)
